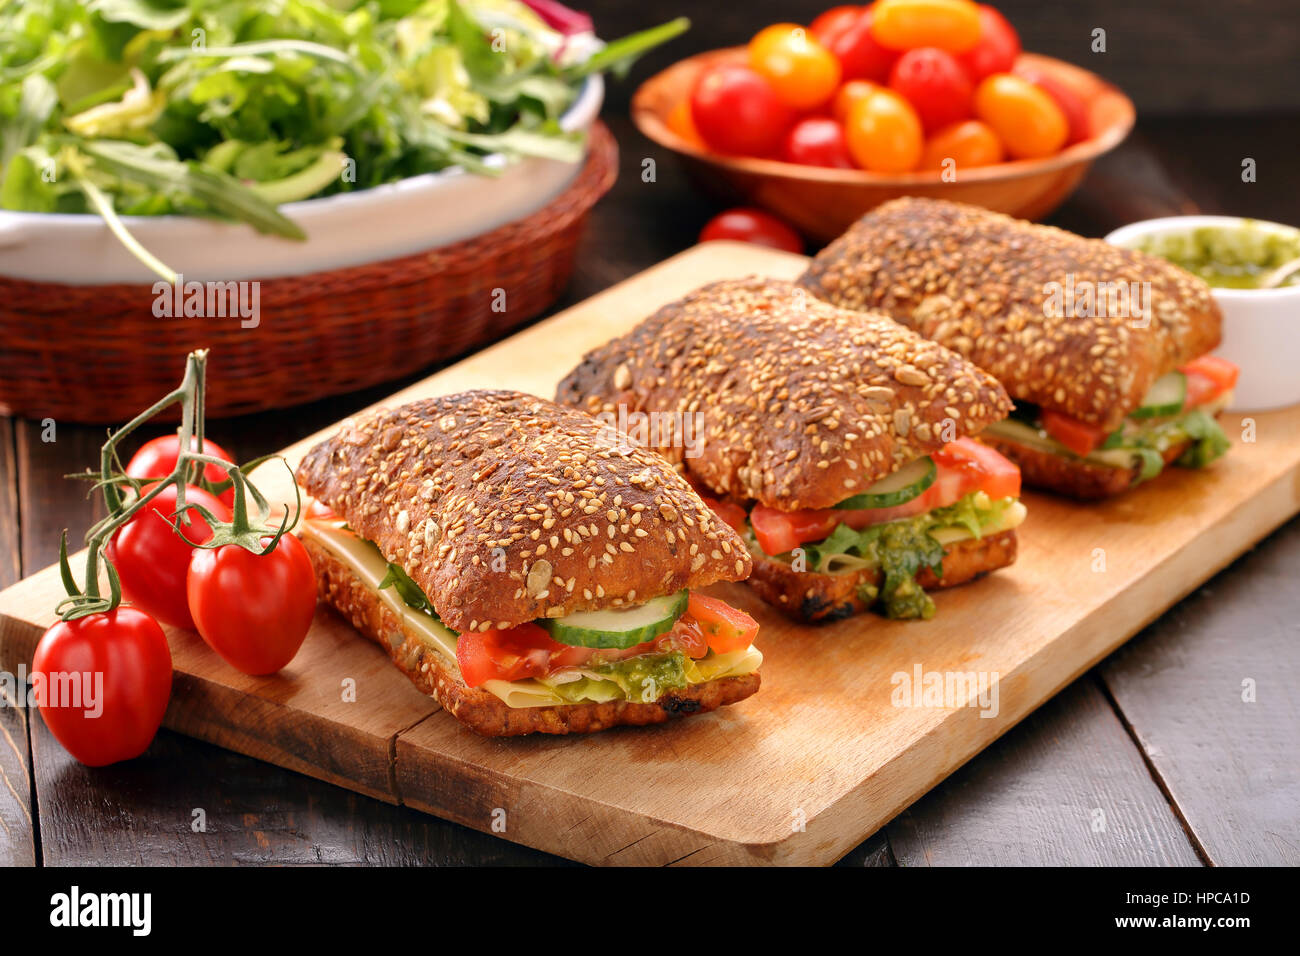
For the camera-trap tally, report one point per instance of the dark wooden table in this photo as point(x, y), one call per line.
point(1154, 757)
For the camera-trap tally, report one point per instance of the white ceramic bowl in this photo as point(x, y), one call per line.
point(1261, 327)
point(398, 219)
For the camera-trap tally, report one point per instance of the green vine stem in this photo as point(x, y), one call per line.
point(243, 530)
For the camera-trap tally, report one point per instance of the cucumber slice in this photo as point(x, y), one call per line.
point(618, 627)
point(1166, 397)
point(896, 489)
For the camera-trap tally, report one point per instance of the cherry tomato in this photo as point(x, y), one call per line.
point(848, 94)
point(935, 84)
point(736, 111)
point(884, 133)
point(1071, 103)
point(124, 681)
point(968, 143)
point(1208, 377)
point(817, 141)
point(157, 459)
point(997, 48)
point(835, 21)
point(752, 225)
point(952, 25)
point(254, 610)
point(963, 466)
point(681, 123)
point(1026, 119)
point(152, 560)
point(727, 628)
point(803, 73)
point(860, 56)
point(1080, 437)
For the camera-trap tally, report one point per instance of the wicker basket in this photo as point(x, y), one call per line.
point(97, 353)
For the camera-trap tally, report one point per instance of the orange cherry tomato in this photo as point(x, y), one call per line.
point(801, 71)
point(968, 143)
point(1026, 119)
point(884, 133)
point(681, 123)
point(848, 94)
point(952, 25)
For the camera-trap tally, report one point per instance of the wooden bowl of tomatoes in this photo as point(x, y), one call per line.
point(819, 124)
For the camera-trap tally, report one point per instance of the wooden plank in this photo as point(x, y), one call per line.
point(17, 835)
point(47, 507)
point(823, 744)
point(1232, 764)
point(1066, 787)
point(184, 804)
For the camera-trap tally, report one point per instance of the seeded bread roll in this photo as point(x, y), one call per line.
point(982, 283)
point(505, 508)
point(800, 404)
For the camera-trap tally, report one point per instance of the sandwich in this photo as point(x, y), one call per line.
point(836, 442)
point(1103, 349)
point(524, 570)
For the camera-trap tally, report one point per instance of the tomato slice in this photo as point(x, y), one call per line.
point(1082, 438)
point(727, 628)
point(1208, 377)
point(781, 531)
point(727, 511)
point(983, 467)
point(513, 654)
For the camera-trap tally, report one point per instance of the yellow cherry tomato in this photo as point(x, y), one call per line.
point(1026, 119)
point(968, 143)
point(682, 123)
point(847, 95)
point(952, 25)
point(884, 133)
point(801, 71)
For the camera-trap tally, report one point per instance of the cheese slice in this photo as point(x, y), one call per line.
point(366, 562)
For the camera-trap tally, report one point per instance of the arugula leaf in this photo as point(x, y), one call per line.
point(617, 57)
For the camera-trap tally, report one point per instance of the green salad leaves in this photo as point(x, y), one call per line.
point(229, 108)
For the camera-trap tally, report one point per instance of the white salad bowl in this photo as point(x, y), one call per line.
point(349, 229)
point(1261, 327)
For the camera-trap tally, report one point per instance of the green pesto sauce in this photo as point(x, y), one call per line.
point(1227, 257)
point(646, 676)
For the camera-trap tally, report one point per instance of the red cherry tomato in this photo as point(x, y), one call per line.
point(736, 111)
point(157, 459)
point(123, 682)
point(997, 48)
point(935, 84)
point(752, 225)
point(817, 141)
point(802, 72)
point(254, 610)
point(830, 24)
point(152, 560)
point(861, 56)
point(1071, 103)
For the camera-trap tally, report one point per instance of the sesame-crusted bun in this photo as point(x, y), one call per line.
point(505, 508)
point(996, 290)
point(799, 404)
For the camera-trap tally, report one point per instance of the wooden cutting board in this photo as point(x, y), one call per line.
point(829, 750)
